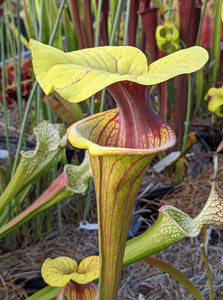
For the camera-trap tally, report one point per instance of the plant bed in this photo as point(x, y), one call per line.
point(138, 278)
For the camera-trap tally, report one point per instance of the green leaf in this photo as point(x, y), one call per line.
point(4, 217)
point(55, 193)
point(45, 20)
point(175, 273)
point(73, 108)
point(48, 293)
point(77, 75)
point(50, 145)
point(173, 225)
point(74, 179)
point(216, 40)
point(180, 169)
point(29, 20)
point(78, 176)
point(64, 113)
point(215, 103)
point(69, 32)
point(199, 79)
point(50, 140)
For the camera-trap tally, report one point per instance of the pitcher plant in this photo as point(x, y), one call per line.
point(122, 141)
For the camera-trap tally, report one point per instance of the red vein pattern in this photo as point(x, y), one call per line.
point(135, 131)
point(117, 180)
point(78, 291)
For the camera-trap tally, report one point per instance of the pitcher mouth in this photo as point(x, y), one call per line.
point(101, 139)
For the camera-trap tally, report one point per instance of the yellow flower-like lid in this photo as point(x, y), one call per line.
point(59, 271)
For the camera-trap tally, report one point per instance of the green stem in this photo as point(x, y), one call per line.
point(189, 103)
point(102, 104)
point(216, 40)
point(87, 206)
point(51, 14)
point(170, 8)
point(18, 79)
point(38, 98)
point(38, 101)
point(12, 52)
point(92, 104)
point(59, 15)
point(12, 19)
point(33, 17)
point(211, 294)
point(4, 96)
point(35, 208)
point(175, 273)
point(48, 217)
point(11, 189)
point(49, 111)
point(208, 271)
point(29, 102)
point(41, 21)
point(38, 218)
point(116, 22)
point(201, 23)
point(9, 34)
point(97, 34)
point(100, 2)
point(59, 217)
point(23, 126)
point(3, 88)
point(96, 45)
point(126, 35)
